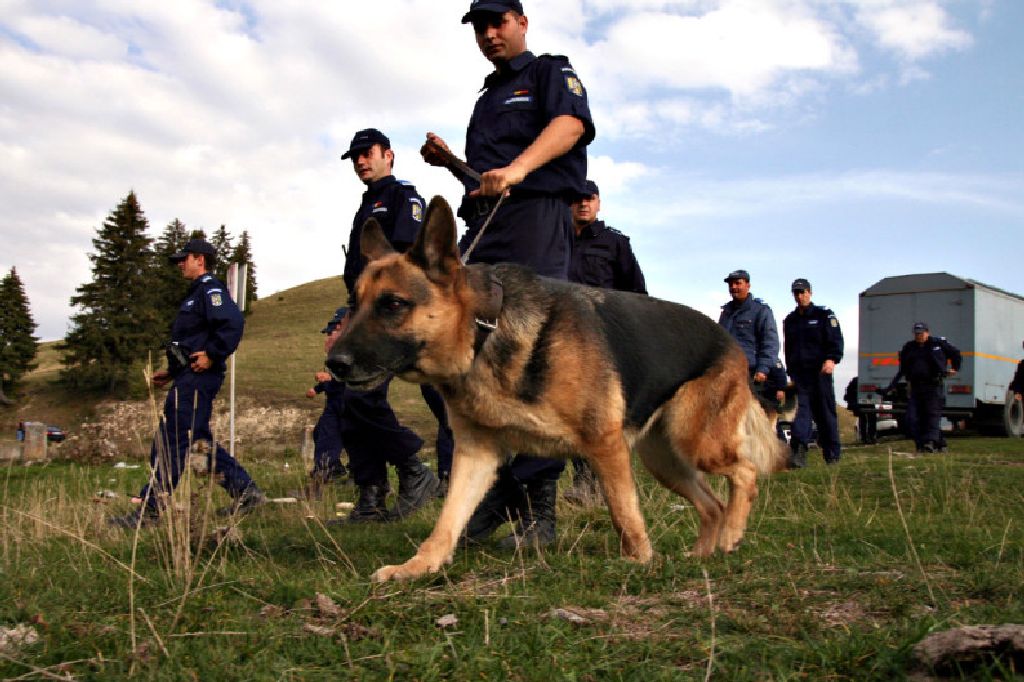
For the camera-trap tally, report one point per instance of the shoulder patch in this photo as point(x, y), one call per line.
point(834, 321)
point(417, 210)
point(215, 299)
point(573, 84)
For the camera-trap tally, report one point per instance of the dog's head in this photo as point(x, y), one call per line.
point(413, 313)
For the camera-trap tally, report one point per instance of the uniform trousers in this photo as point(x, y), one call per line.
point(816, 400)
point(186, 420)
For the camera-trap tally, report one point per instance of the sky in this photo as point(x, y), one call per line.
point(842, 141)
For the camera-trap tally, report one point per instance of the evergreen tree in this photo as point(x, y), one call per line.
point(243, 254)
point(221, 241)
point(119, 321)
point(171, 286)
point(18, 346)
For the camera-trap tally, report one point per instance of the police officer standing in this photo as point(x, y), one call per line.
point(750, 321)
point(601, 257)
point(205, 333)
point(528, 136)
point(814, 346)
point(328, 434)
point(374, 437)
point(1017, 384)
point(925, 362)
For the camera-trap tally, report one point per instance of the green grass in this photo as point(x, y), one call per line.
point(834, 580)
point(825, 586)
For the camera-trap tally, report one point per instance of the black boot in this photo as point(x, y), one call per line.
point(143, 517)
point(370, 505)
point(247, 501)
point(442, 486)
point(797, 457)
point(503, 503)
point(417, 485)
point(585, 490)
point(537, 526)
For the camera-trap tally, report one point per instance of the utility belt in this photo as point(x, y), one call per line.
point(477, 208)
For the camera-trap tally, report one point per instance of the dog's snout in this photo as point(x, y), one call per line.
point(340, 364)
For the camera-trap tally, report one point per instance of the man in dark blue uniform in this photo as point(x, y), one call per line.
point(814, 346)
point(925, 362)
point(601, 257)
point(750, 321)
point(374, 437)
point(328, 434)
point(205, 333)
point(527, 137)
point(1017, 383)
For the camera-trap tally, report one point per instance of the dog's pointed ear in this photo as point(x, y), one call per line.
point(372, 242)
point(436, 250)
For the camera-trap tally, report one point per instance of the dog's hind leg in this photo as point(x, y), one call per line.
point(676, 473)
point(473, 472)
point(611, 462)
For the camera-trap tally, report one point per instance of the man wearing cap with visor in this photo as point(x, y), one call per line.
point(527, 136)
point(813, 347)
point(750, 321)
point(373, 435)
point(925, 362)
point(601, 257)
point(206, 331)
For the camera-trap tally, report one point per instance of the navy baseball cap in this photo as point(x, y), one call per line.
point(335, 321)
point(495, 6)
point(800, 284)
point(365, 139)
point(737, 274)
point(193, 246)
point(920, 327)
point(590, 189)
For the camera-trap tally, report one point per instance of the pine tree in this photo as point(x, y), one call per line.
point(119, 321)
point(171, 286)
point(243, 254)
point(18, 346)
point(221, 241)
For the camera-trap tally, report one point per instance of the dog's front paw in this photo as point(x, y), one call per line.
point(413, 568)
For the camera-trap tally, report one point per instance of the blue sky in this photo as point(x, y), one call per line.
point(842, 141)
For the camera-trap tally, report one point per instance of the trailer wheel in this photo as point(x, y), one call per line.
point(1013, 416)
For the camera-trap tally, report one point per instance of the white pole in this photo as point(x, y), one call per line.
point(236, 288)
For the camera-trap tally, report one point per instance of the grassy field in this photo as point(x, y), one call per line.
point(842, 571)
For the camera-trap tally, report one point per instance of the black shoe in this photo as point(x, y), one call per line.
point(442, 486)
point(417, 485)
point(536, 528)
point(143, 517)
point(504, 502)
point(247, 501)
point(797, 457)
point(585, 489)
point(929, 447)
point(370, 506)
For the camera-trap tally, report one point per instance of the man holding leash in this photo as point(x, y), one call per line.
point(205, 333)
point(601, 257)
point(527, 140)
point(373, 435)
point(814, 346)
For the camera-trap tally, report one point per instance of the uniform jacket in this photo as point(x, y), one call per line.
point(208, 320)
point(927, 363)
point(397, 207)
point(602, 257)
point(812, 338)
point(1017, 385)
point(752, 324)
point(515, 105)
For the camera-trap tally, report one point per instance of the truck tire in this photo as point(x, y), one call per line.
point(1013, 416)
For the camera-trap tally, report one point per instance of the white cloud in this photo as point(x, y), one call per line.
point(914, 29)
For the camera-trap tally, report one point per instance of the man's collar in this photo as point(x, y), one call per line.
point(512, 66)
point(593, 229)
point(378, 184)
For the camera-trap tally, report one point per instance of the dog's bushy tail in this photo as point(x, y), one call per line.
point(762, 446)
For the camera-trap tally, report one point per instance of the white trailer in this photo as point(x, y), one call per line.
point(985, 323)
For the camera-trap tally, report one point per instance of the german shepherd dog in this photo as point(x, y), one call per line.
point(567, 369)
